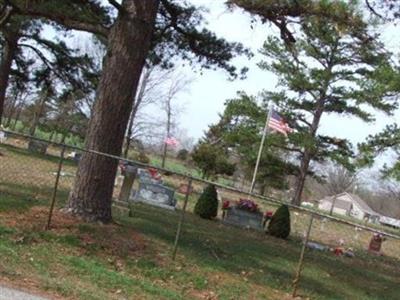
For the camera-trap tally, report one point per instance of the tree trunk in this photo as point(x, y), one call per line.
point(301, 178)
point(37, 114)
point(17, 116)
point(51, 136)
point(308, 153)
point(333, 205)
point(128, 45)
point(10, 47)
point(11, 110)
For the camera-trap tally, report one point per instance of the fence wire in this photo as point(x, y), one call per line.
point(29, 168)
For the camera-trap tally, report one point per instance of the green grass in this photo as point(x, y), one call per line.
point(39, 133)
point(212, 258)
point(133, 260)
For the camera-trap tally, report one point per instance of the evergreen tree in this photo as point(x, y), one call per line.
point(212, 160)
point(330, 70)
point(239, 129)
point(279, 226)
point(375, 145)
point(160, 29)
point(207, 205)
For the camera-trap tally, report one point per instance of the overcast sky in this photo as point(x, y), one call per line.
point(206, 95)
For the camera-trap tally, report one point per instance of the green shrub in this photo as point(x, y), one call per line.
point(207, 205)
point(182, 154)
point(279, 226)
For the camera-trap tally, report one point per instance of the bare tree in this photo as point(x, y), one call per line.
point(151, 81)
point(391, 189)
point(178, 84)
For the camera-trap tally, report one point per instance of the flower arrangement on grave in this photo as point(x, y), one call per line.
point(248, 205)
point(267, 217)
point(225, 206)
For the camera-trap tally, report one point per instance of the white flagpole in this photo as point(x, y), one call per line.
point(260, 149)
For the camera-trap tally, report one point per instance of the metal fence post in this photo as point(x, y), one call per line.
point(53, 199)
point(300, 265)
point(178, 231)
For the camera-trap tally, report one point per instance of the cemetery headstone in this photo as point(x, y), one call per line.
point(2, 137)
point(243, 218)
point(37, 146)
point(155, 194)
point(75, 156)
point(129, 173)
point(375, 244)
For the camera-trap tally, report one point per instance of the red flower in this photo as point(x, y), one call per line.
point(268, 214)
point(247, 204)
point(226, 204)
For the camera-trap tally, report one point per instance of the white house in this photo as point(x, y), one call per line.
point(347, 204)
point(388, 221)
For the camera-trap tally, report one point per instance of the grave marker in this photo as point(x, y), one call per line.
point(155, 194)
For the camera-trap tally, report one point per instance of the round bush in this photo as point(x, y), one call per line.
point(279, 226)
point(207, 205)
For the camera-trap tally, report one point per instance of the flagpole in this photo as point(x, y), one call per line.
point(260, 149)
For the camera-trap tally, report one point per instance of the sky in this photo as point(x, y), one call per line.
point(206, 95)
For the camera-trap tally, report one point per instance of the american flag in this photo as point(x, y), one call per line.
point(170, 141)
point(277, 123)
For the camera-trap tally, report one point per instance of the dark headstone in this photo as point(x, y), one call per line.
point(37, 146)
point(243, 218)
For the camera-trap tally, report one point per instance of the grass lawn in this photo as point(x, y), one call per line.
point(131, 259)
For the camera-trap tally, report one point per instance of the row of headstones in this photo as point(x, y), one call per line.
point(152, 191)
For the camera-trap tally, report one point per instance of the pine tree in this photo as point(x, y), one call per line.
point(279, 226)
point(375, 145)
point(133, 22)
point(330, 70)
point(207, 205)
point(239, 129)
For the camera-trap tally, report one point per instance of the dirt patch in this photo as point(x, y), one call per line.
point(110, 239)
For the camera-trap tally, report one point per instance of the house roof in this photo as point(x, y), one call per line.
point(364, 206)
point(346, 204)
point(342, 204)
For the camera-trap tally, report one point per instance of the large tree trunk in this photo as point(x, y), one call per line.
point(9, 50)
point(128, 45)
point(308, 153)
point(301, 178)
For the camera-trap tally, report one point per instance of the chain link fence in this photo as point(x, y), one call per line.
point(43, 173)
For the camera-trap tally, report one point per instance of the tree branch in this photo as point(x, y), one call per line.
point(372, 9)
point(5, 14)
point(69, 21)
point(116, 5)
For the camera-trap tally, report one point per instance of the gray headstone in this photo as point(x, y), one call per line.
point(155, 194)
point(37, 146)
point(243, 218)
point(3, 137)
